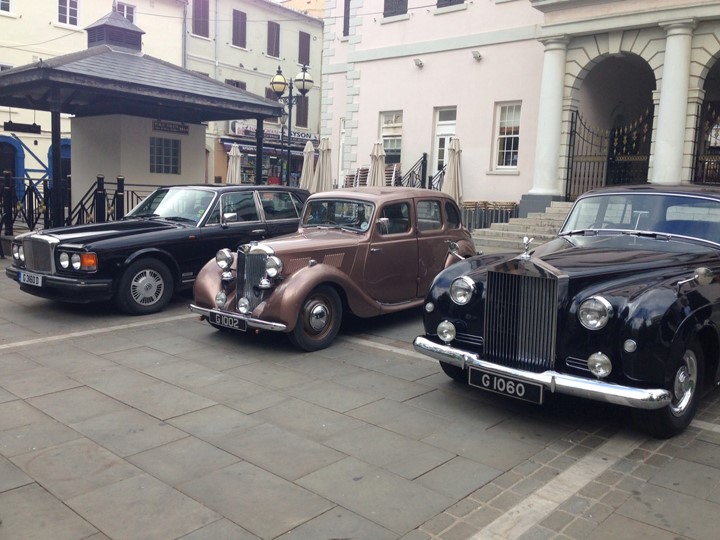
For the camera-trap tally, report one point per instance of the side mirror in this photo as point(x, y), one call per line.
point(454, 249)
point(383, 225)
point(230, 217)
point(703, 276)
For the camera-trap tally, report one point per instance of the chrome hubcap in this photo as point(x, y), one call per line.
point(318, 316)
point(685, 384)
point(147, 287)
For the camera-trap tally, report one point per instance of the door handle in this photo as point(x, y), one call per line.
point(375, 250)
point(258, 231)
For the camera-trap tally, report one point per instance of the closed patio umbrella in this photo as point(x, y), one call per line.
point(234, 174)
point(452, 185)
point(377, 166)
point(308, 168)
point(322, 179)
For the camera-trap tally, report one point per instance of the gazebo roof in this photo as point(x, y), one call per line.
point(108, 79)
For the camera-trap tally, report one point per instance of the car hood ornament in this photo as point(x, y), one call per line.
point(526, 242)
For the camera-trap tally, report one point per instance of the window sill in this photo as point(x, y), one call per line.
point(8, 15)
point(395, 18)
point(238, 47)
point(204, 38)
point(503, 172)
point(450, 9)
point(65, 26)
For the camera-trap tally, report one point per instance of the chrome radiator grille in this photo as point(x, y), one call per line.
point(521, 320)
point(250, 270)
point(38, 255)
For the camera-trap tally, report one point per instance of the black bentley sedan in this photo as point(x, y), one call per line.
point(622, 307)
point(157, 249)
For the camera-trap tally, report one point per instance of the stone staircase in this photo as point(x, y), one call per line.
point(508, 237)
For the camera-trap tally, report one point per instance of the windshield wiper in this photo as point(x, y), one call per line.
point(584, 232)
point(143, 216)
point(180, 218)
point(649, 234)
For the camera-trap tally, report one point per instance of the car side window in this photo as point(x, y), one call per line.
point(453, 215)
point(429, 217)
point(239, 205)
point(278, 205)
point(395, 219)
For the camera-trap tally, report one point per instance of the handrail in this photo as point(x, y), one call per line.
point(437, 181)
point(415, 177)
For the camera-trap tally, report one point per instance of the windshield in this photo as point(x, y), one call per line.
point(176, 204)
point(663, 214)
point(352, 215)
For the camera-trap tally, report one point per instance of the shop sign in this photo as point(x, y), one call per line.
point(171, 127)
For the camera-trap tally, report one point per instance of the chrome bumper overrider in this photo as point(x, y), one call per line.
point(253, 323)
point(639, 398)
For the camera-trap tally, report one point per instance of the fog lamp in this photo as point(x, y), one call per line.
point(599, 365)
point(64, 260)
point(221, 299)
point(446, 331)
point(429, 307)
point(462, 290)
point(595, 312)
point(224, 259)
point(243, 305)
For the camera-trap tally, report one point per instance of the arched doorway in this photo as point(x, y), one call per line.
point(611, 130)
point(707, 153)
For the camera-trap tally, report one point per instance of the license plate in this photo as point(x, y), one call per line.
point(228, 321)
point(28, 278)
point(507, 386)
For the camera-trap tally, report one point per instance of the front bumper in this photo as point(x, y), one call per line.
point(249, 321)
point(638, 398)
point(66, 289)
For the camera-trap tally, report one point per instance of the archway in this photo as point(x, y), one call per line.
point(707, 153)
point(611, 130)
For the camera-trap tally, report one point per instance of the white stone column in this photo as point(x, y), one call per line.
point(673, 108)
point(546, 179)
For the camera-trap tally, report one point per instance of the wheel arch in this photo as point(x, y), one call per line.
point(160, 255)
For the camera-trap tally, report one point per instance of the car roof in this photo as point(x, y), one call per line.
point(234, 187)
point(700, 190)
point(380, 194)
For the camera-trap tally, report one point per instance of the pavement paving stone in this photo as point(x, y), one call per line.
point(11, 476)
point(187, 375)
point(6, 396)
point(183, 460)
point(75, 467)
point(318, 366)
point(30, 512)
point(400, 418)
point(470, 413)
point(701, 452)
point(77, 404)
point(222, 529)
point(333, 396)
point(36, 382)
point(270, 375)
point(381, 385)
point(142, 507)
point(458, 477)
point(66, 358)
point(140, 358)
point(278, 451)
point(339, 523)
point(617, 526)
point(34, 436)
point(385, 498)
point(248, 495)
point(103, 343)
point(215, 423)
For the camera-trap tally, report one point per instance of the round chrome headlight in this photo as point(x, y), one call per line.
point(16, 252)
point(21, 253)
point(75, 260)
point(224, 259)
point(64, 260)
point(446, 331)
point(599, 365)
point(273, 266)
point(462, 290)
point(243, 305)
point(595, 312)
point(221, 299)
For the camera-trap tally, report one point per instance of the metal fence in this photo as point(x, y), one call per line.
point(482, 214)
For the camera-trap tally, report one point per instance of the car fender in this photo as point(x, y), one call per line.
point(466, 248)
point(155, 253)
point(285, 302)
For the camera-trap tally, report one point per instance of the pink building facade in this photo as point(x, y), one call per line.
point(548, 98)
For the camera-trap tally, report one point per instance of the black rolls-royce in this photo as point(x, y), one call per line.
point(157, 249)
point(622, 307)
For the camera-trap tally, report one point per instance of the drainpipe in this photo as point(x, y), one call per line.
point(184, 34)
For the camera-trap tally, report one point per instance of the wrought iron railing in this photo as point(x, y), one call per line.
point(482, 214)
point(416, 175)
point(437, 181)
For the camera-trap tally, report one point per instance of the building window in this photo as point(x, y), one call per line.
point(395, 7)
point(301, 111)
point(239, 29)
point(68, 12)
point(201, 18)
point(391, 135)
point(164, 155)
point(346, 18)
point(444, 131)
point(507, 135)
point(5, 6)
point(237, 84)
point(273, 42)
point(127, 11)
point(304, 48)
point(446, 3)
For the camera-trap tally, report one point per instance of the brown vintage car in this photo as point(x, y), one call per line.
point(369, 251)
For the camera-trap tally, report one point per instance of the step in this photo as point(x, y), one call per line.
point(511, 235)
point(522, 228)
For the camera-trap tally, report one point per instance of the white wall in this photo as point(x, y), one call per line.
point(120, 146)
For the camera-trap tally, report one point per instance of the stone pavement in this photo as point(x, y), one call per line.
point(162, 427)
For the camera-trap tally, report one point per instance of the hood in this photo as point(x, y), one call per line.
point(310, 241)
point(94, 232)
point(587, 256)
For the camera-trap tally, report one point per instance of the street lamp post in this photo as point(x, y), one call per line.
point(303, 83)
point(283, 120)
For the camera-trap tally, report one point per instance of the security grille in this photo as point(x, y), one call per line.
point(520, 321)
